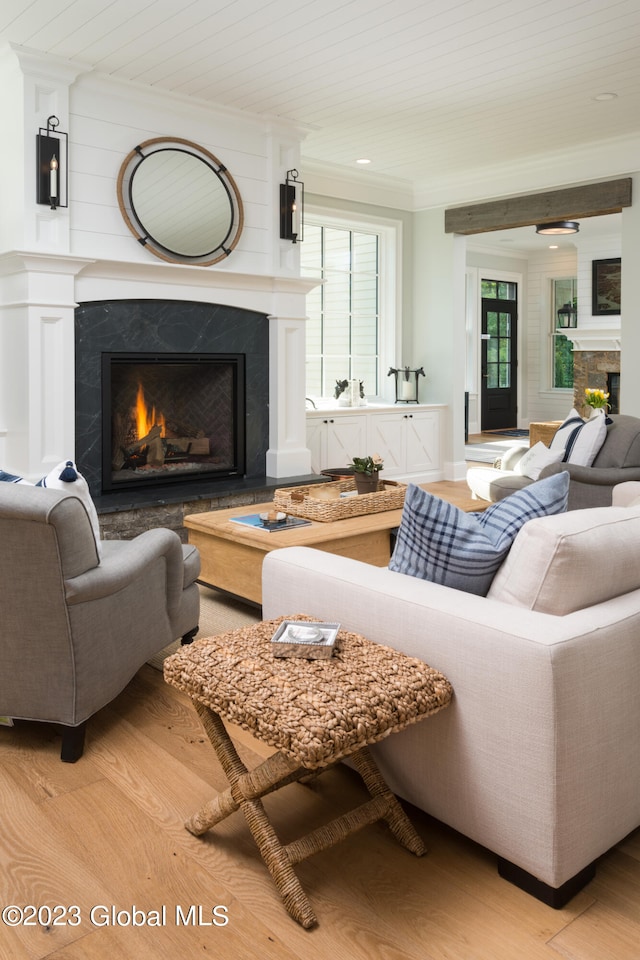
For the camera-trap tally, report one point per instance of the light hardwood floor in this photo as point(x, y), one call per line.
point(108, 831)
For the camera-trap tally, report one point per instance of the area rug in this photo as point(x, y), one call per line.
point(218, 613)
point(510, 433)
point(488, 452)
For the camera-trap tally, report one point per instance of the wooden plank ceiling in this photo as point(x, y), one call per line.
point(423, 88)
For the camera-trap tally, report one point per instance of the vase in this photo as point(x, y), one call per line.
point(367, 482)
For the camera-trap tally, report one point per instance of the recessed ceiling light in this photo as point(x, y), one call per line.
point(553, 246)
point(606, 96)
point(363, 160)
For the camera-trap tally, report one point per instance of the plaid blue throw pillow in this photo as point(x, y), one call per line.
point(441, 543)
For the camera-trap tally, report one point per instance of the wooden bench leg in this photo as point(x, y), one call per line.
point(269, 776)
point(396, 818)
point(246, 787)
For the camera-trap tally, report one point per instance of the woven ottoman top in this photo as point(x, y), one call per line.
point(314, 711)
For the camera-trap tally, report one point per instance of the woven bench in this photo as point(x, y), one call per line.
point(314, 713)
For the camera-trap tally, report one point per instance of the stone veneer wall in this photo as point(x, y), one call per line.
point(124, 524)
point(590, 369)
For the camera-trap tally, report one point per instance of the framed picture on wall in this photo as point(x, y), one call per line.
point(605, 299)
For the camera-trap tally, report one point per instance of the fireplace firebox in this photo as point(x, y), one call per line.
point(171, 417)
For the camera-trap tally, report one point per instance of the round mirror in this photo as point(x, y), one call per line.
point(180, 201)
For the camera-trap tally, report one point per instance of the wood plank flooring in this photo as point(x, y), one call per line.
point(108, 832)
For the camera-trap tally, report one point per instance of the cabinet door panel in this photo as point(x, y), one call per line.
point(387, 437)
point(346, 439)
point(423, 442)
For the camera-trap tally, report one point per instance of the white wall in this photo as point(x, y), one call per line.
point(52, 259)
point(543, 401)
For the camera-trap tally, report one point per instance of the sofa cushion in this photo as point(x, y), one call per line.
point(580, 439)
point(562, 564)
point(536, 459)
point(439, 542)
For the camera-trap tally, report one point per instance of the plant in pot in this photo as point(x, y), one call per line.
point(366, 472)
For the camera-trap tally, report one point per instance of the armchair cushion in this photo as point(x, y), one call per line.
point(438, 542)
point(580, 439)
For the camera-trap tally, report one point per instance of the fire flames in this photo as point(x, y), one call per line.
point(146, 418)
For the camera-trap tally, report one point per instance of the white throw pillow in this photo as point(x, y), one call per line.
point(580, 439)
point(536, 459)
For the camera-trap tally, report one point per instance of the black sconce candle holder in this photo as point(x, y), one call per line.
point(406, 383)
point(52, 166)
point(292, 208)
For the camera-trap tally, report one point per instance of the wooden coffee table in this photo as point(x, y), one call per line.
point(232, 555)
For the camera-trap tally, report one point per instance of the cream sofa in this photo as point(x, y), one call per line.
point(537, 758)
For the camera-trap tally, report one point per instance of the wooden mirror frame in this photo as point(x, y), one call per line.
point(220, 244)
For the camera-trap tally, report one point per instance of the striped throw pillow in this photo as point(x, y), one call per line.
point(437, 541)
point(580, 439)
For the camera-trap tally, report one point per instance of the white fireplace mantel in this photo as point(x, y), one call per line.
point(595, 338)
point(38, 296)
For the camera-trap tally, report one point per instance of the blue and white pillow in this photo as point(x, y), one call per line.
point(13, 478)
point(580, 439)
point(437, 541)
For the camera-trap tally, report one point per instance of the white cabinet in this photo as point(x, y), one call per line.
point(408, 438)
point(334, 439)
point(408, 441)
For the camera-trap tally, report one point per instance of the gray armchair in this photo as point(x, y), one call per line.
point(617, 461)
point(75, 626)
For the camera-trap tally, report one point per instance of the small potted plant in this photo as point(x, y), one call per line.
point(366, 472)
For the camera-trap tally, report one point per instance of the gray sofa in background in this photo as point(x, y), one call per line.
point(617, 461)
point(75, 626)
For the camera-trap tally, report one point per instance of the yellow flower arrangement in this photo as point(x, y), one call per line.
point(594, 397)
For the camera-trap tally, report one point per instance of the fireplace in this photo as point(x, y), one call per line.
point(171, 417)
point(204, 367)
point(596, 369)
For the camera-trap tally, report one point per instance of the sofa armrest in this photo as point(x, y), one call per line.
point(602, 476)
point(123, 561)
point(512, 456)
point(626, 494)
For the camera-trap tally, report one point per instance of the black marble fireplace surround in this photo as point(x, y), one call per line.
point(169, 327)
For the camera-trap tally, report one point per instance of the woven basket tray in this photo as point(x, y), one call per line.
point(306, 502)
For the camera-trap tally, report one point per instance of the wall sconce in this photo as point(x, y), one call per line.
point(557, 229)
point(406, 383)
point(52, 166)
point(292, 208)
point(567, 317)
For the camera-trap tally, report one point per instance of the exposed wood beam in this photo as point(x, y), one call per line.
point(570, 203)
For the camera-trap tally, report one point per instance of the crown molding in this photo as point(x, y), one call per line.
point(361, 185)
